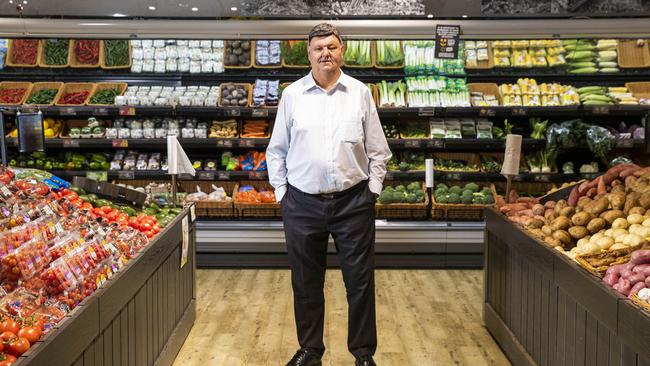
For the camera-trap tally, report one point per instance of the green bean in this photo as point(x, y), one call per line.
point(105, 96)
point(44, 96)
point(56, 51)
point(116, 52)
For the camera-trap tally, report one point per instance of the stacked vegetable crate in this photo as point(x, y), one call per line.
point(257, 210)
point(214, 209)
point(403, 210)
point(456, 211)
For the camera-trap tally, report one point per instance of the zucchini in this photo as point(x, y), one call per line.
point(610, 69)
point(583, 70)
point(597, 102)
point(586, 89)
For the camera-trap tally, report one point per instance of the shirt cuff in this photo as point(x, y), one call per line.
point(375, 186)
point(280, 192)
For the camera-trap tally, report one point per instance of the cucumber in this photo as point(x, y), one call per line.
point(102, 203)
point(78, 191)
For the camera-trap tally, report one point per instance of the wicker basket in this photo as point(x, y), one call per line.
point(42, 60)
point(486, 89)
point(290, 66)
point(255, 65)
point(451, 211)
point(246, 86)
point(622, 256)
point(121, 87)
point(74, 88)
point(404, 210)
point(17, 85)
point(260, 210)
point(243, 124)
point(631, 56)
point(226, 54)
point(484, 64)
point(102, 58)
point(10, 50)
point(208, 208)
point(468, 158)
point(76, 64)
point(36, 87)
point(74, 123)
point(639, 89)
point(643, 304)
point(374, 58)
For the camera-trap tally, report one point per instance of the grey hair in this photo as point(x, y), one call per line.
point(324, 30)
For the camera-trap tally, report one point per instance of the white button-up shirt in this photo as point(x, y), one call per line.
point(326, 142)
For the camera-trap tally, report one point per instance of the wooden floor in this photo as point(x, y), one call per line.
point(424, 317)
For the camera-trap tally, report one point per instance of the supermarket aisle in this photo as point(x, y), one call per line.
point(425, 317)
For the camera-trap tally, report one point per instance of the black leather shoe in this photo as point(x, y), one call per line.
point(365, 361)
point(305, 357)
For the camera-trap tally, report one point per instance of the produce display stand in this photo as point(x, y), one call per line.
point(544, 309)
point(141, 316)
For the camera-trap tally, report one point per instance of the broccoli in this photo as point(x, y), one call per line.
point(442, 186)
point(385, 198)
point(489, 199)
point(466, 199)
point(404, 166)
point(486, 190)
point(443, 198)
point(411, 198)
point(472, 187)
point(479, 200)
point(413, 187)
point(398, 197)
point(454, 198)
point(389, 189)
point(400, 188)
point(456, 190)
point(468, 192)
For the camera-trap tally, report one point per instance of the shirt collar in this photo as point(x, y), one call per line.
point(310, 83)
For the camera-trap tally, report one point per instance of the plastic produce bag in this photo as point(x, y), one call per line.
point(620, 160)
point(600, 141)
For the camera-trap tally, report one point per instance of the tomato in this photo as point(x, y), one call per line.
point(71, 195)
point(141, 216)
point(87, 206)
point(7, 359)
point(111, 216)
point(145, 226)
point(121, 216)
point(7, 335)
point(9, 325)
point(106, 209)
point(32, 334)
point(18, 346)
point(98, 211)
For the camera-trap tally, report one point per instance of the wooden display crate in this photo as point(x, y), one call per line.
point(74, 88)
point(246, 86)
point(373, 51)
point(403, 210)
point(42, 61)
point(73, 58)
point(486, 89)
point(17, 85)
point(240, 67)
point(102, 58)
point(452, 211)
point(121, 87)
point(631, 56)
point(36, 87)
point(260, 210)
point(213, 208)
point(10, 50)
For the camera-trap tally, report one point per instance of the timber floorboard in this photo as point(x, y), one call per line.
point(424, 317)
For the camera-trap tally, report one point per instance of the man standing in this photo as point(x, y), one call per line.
point(327, 161)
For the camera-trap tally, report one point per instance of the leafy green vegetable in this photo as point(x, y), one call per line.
point(295, 53)
point(358, 53)
point(389, 53)
point(600, 141)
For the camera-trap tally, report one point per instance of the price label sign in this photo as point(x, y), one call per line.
point(487, 112)
point(127, 111)
point(223, 175)
point(541, 178)
point(256, 175)
point(98, 176)
point(454, 176)
point(206, 175)
point(126, 174)
point(390, 176)
point(67, 111)
point(224, 143)
point(101, 112)
point(70, 143)
point(260, 112)
point(232, 112)
point(601, 109)
point(246, 143)
point(447, 40)
point(426, 111)
point(437, 143)
point(413, 143)
point(120, 143)
point(519, 111)
point(625, 143)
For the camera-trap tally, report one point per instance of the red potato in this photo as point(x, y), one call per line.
point(513, 196)
point(623, 286)
point(636, 288)
point(550, 204)
point(641, 172)
point(640, 257)
point(635, 278)
point(582, 188)
point(629, 171)
point(592, 192)
point(611, 279)
point(642, 268)
point(647, 282)
point(527, 212)
point(615, 270)
point(573, 197)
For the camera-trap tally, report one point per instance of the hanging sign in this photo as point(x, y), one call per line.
point(447, 39)
point(31, 135)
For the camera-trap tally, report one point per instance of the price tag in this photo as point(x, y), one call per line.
point(246, 143)
point(223, 175)
point(67, 111)
point(70, 143)
point(437, 143)
point(426, 111)
point(260, 112)
point(256, 175)
point(127, 111)
point(413, 143)
point(519, 111)
point(98, 176)
point(487, 112)
point(101, 232)
point(601, 109)
point(454, 176)
point(232, 112)
point(126, 174)
point(224, 143)
point(390, 176)
point(192, 213)
point(206, 175)
point(5, 191)
point(120, 143)
point(541, 178)
point(59, 228)
point(48, 210)
point(100, 111)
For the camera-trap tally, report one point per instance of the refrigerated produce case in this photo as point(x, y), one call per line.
point(256, 239)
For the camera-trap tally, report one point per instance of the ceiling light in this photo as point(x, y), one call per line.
point(464, 16)
point(430, 16)
point(119, 15)
point(195, 9)
point(11, 1)
point(25, 2)
point(152, 8)
point(234, 8)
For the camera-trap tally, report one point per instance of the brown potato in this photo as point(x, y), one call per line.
point(617, 200)
point(611, 215)
point(560, 223)
point(563, 237)
point(581, 219)
point(550, 215)
point(582, 201)
point(618, 189)
point(645, 201)
point(538, 233)
point(637, 210)
point(547, 230)
point(534, 224)
point(631, 201)
point(595, 225)
point(553, 242)
point(568, 211)
point(578, 232)
point(597, 207)
point(559, 206)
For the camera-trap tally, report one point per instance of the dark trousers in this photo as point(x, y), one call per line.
point(308, 222)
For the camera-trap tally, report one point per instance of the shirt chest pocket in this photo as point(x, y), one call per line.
point(351, 130)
